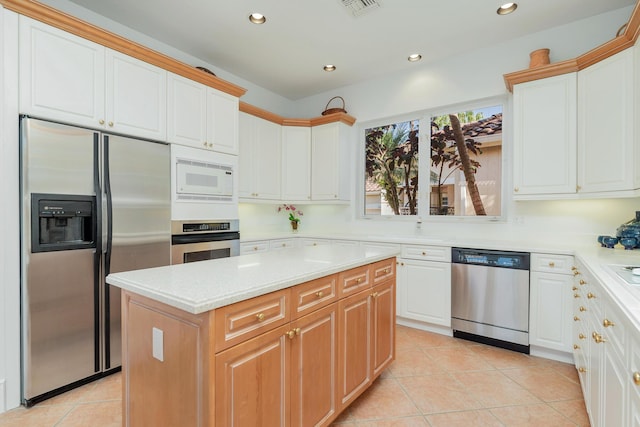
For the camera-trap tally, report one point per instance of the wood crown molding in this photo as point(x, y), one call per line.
point(70, 24)
point(283, 121)
point(600, 53)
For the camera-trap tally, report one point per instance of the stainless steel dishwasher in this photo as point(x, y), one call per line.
point(490, 297)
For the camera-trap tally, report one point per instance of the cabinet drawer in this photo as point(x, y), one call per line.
point(613, 325)
point(429, 253)
point(315, 242)
point(550, 263)
point(282, 244)
point(313, 295)
point(252, 247)
point(354, 280)
point(383, 270)
point(246, 319)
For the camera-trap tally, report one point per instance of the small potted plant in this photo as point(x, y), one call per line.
point(294, 215)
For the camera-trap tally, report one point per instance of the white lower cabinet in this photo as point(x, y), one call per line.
point(282, 244)
point(424, 291)
point(254, 247)
point(551, 303)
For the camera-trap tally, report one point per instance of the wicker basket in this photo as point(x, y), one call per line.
point(328, 110)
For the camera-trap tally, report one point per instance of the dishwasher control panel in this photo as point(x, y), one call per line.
point(491, 258)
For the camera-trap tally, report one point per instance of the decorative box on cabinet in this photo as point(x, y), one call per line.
point(330, 162)
point(296, 163)
point(201, 117)
point(551, 304)
point(544, 150)
point(259, 159)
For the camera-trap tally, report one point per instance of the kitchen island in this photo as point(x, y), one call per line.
point(288, 337)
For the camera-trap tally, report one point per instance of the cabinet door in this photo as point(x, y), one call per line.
point(187, 112)
point(252, 381)
point(326, 162)
point(384, 320)
point(296, 163)
point(551, 307)
point(354, 346)
point(544, 150)
point(246, 156)
point(136, 97)
point(267, 159)
point(424, 291)
point(61, 75)
point(605, 125)
point(222, 123)
point(614, 396)
point(314, 356)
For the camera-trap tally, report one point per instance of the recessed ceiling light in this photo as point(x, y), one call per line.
point(329, 67)
point(414, 57)
point(507, 8)
point(257, 18)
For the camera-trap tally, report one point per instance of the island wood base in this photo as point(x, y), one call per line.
point(294, 357)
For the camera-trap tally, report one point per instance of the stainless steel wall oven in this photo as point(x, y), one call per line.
point(203, 240)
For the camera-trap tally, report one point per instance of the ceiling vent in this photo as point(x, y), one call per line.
point(359, 7)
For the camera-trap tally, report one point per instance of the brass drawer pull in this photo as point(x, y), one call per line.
point(636, 378)
point(576, 295)
point(582, 282)
point(359, 279)
point(319, 294)
point(590, 295)
point(576, 318)
point(260, 317)
point(552, 264)
point(582, 336)
point(374, 295)
point(582, 308)
point(582, 370)
point(606, 323)
point(576, 347)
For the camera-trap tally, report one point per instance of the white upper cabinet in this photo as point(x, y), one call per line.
point(260, 158)
point(296, 163)
point(187, 112)
point(136, 97)
point(222, 121)
point(545, 137)
point(62, 76)
point(330, 154)
point(606, 151)
point(200, 116)
point(76, 81)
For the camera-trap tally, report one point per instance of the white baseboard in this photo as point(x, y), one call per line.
point(546, 353)
point(3, 398)
point(416, 324)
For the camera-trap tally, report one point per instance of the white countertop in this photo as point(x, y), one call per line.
point(205, 285)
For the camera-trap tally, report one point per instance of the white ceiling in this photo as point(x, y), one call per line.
point(286, 55)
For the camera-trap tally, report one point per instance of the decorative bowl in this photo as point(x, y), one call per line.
point(609, 241)
point(629, 242)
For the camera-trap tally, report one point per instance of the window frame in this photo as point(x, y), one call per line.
point(424, 161)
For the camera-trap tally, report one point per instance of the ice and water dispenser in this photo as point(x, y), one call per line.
point(62, 222)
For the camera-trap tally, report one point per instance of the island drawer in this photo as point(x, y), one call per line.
point(243, 320)
point(309, 296)
point(282, 244)
point(552, 263)
point(354, 280)
point(252, 247)
point(383, 270)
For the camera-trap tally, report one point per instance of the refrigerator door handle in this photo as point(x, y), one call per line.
point(107, 192)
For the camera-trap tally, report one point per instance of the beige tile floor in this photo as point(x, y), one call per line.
point(435, 381)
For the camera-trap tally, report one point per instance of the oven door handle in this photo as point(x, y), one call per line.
point(183, 239)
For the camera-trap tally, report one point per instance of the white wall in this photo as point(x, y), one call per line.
point(9, 216)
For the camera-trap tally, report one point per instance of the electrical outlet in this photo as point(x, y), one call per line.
point(158, 344)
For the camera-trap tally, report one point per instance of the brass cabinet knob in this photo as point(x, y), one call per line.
point(319, 294)
point(260, 317)
point(255, 248)
point(576, 272)
point(290, 334)
point(101, 121)
point(590, 295)
point(636, 378)
point(110, 124)
point(582, 336)
point(574, 268)
point(374, 295)
point(582, 370)
point(386, 271)
point(359, 279)
point(402, 263)
point(598, 338)
point(297, 331)
point(582, 282)
point(582, 308)
point(574, 288)
point(552, 264)
point(576, 295)
point(606, 323)
point(284, 245)
point(424, 253)
point(576, 318)
point(204, 144)
point(516, 189)
point(576, 347)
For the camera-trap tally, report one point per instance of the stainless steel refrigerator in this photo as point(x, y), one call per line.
point(92, 204)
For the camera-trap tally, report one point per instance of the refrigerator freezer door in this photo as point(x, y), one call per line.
point(59, 321)
point(137, 183)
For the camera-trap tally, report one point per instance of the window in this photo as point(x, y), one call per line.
point(461, 151)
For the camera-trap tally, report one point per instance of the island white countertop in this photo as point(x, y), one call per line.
point(202, 286)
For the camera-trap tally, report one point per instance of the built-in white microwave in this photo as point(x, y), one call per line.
point(197, 180)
